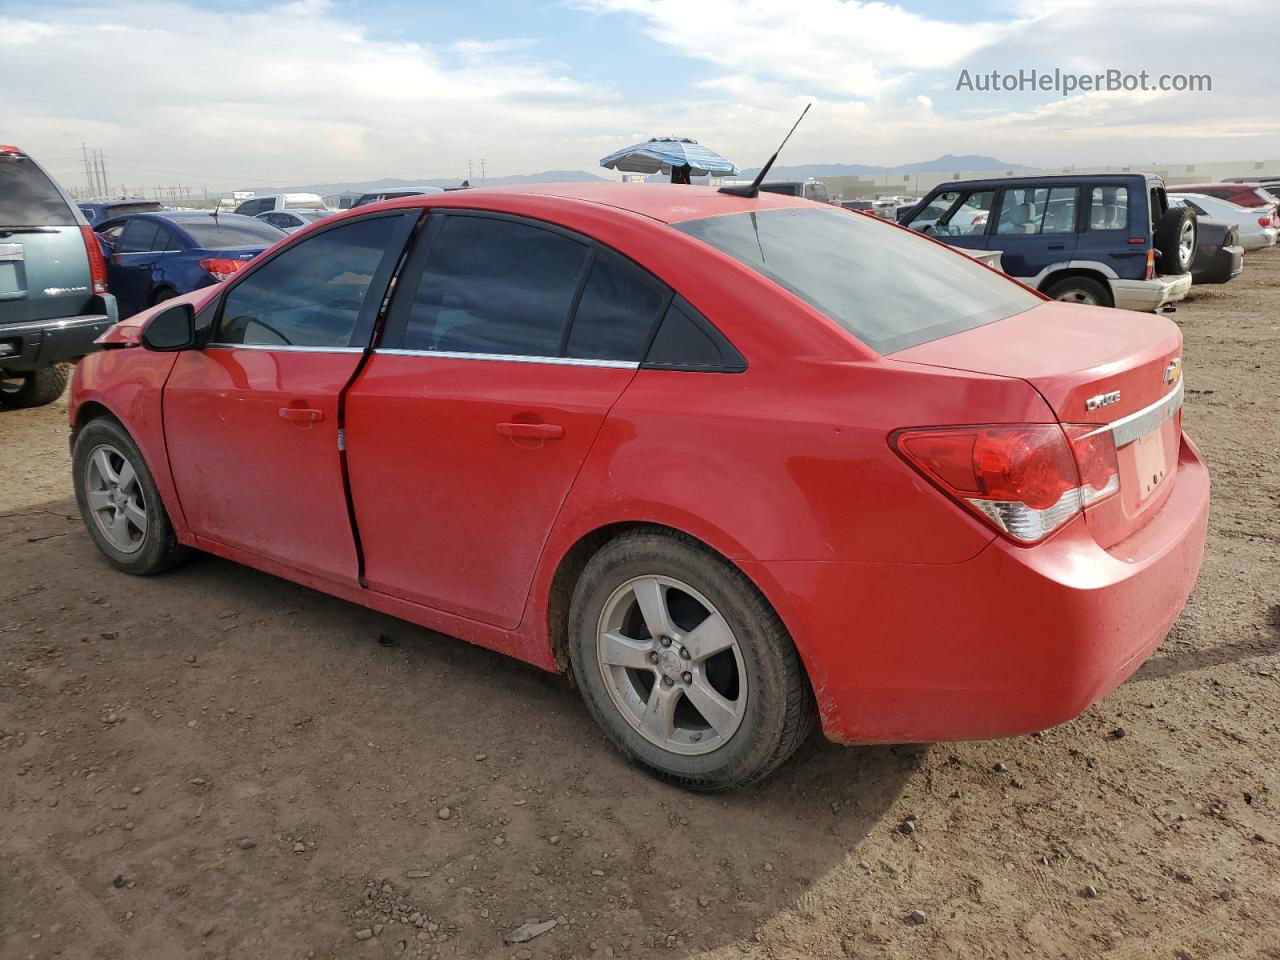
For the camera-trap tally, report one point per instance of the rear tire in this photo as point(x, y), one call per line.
point(1082, 290)
point(119, 502)
point(1175, 240)
point(34, 389)
point(163, 294)
point(754, 687)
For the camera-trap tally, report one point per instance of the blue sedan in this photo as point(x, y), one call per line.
point(155, 256)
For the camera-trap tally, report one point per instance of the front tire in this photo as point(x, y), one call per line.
point(34, 389)
point(119, 502)
point(684, 664)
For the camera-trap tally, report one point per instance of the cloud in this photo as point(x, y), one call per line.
point(844, 48)
point(300, 92)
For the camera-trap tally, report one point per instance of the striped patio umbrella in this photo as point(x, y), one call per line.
point(670, 155)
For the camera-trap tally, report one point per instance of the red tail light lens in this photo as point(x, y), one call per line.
point(97, 265)
point(1023, 479)
point(1264, 221)
point(221, 267)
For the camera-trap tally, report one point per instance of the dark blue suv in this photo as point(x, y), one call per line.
point(1106, 239)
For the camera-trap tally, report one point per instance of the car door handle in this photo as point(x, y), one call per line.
point(535, 431)
point(301, 414)
point(1056, 246)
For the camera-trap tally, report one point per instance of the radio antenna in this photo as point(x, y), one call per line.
point(753, 189)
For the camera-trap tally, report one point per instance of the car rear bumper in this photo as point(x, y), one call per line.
point(1260, 240)
point(1149, 295)
point(1222, 265)
point(28, 346)
point(1009, 642)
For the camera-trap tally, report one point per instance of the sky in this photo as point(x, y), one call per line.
point(235, 94)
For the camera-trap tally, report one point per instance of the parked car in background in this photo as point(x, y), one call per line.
point(861, 206)
point(96, 211)
point(155, 256)
point(982, 516)
point(53, 284)
point(1257, 225)
point(1219, 255)
point(1105, 239)
point(281, 201)
point(393, 193)
point(810, 189)
point(292, 220)
point(1249, 195)
point(1270, 184)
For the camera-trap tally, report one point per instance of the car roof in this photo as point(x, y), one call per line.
point(664, 202)
point(1046, 178)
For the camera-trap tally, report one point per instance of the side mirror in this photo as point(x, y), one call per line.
point(171, 329)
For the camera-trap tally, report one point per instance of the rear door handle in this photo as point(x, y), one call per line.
point(301, 414)
point(536, 431)
point(1056, 246)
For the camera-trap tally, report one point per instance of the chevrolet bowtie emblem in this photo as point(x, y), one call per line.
point(1173, 371)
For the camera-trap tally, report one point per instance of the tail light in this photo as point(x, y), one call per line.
point(1264, 221)
point(221, 267)
point(1026, 480)
point(1151, 263)
point(97, 265)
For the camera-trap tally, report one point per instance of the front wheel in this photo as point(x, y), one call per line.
point(119, 502)
point(685, 665)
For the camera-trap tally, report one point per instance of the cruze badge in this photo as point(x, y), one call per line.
point(1102, 400)
point(1173, 371)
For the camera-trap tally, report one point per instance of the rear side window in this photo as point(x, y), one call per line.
point(617, 312)
point(309, 295)
point(1109, 208)
point(28, 198)
point(494, 286)
point(889, 289)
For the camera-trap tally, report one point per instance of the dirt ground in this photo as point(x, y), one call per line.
point(218, 764)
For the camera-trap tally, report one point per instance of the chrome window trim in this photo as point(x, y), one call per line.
point(512, 358)
point(1141, 422)
point(270, 346)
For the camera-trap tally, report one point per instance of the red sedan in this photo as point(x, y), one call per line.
point(740, 465)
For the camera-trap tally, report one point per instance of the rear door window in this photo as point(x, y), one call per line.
point(139, 236)
point(889, 289)
point(495, 286)
point(1037, 210)
point(28, 198)
point(1108, 208)
point(617, 311)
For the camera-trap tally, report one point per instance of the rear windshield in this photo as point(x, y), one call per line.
point(113, 210)
point(28, 198)
point(231, 231)
point(303, 203)
point(889, 288)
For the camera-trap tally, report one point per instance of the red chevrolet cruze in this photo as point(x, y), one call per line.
point(738, 464)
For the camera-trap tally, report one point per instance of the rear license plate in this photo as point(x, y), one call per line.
point(1148, 459)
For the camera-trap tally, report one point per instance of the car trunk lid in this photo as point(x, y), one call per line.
point(1116, 370)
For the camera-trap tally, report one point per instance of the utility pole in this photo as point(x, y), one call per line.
point(88, 179)
point(102, 173)
point(468, 171)
point(482, 170)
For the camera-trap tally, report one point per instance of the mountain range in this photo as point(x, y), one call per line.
point(948, 163)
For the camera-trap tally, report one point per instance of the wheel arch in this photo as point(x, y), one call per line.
point(573, 560)
point(1067, 273)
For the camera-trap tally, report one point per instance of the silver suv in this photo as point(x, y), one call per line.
point(53, 284)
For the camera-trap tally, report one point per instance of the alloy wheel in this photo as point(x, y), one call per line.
point(115, 498)
point(672, 665)
point(1186, 243)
